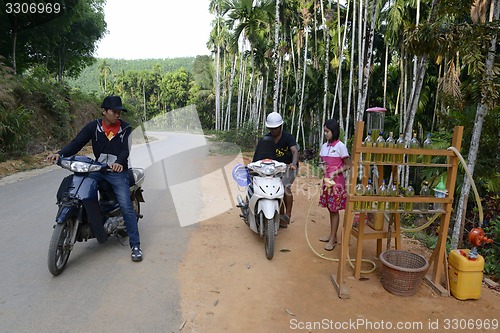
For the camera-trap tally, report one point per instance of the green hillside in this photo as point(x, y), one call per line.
point(88, 81)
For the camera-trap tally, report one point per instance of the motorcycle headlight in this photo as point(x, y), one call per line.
point(268, 169)
point(83, 167)
point(66, 164)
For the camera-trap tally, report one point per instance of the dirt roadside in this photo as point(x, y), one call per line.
point(228, 285)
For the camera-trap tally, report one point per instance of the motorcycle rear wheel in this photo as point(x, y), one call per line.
point(59, 248)
point(269, 232)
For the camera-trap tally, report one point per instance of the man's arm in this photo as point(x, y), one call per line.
point(295, 157)
point(81, 139)
point(125, 149)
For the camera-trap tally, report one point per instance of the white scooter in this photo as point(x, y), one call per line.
point(261, 207)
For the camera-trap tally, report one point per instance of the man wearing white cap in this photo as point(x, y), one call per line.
point(286, 152)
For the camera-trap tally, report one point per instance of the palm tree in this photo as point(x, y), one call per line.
point(104, 72)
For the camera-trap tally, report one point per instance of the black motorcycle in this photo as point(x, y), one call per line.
point(87, 209)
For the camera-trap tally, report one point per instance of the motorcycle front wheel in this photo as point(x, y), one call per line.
point(269, 232)
point(59, 248)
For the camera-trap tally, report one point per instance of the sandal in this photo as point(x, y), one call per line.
point(284, 221)
point(330, 246)
point(324, 239)
point(285, 218)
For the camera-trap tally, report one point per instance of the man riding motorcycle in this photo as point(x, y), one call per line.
point(111, 143)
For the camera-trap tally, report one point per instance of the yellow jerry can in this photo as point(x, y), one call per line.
point(466, 275)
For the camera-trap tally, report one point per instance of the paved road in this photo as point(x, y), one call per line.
point(101, 290)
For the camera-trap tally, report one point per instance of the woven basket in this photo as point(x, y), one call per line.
point(402, 271)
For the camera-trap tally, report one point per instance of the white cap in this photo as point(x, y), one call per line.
point(274, 120)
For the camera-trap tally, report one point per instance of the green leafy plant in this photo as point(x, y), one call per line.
point(491, 252)
point(14, 134)
point(245, 137)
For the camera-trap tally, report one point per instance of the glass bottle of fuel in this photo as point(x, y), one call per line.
point(382, 192)
point(368, 192)
point(393, 192)
point(413, 145)
point(427, 145)
point(368, 142)
point(359, 190)
point(425, 192)
point(379, 143)
point(400, 143)
point(409, 192)
point(389, 143)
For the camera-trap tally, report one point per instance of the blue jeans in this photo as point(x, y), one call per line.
point(121, 188)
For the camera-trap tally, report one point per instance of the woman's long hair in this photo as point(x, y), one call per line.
point(334, 127)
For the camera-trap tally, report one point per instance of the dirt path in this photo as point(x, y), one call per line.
point(228, 285)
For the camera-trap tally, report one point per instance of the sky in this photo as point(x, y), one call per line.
point(155, 29)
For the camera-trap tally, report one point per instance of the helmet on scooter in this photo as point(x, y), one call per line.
point(274, 120)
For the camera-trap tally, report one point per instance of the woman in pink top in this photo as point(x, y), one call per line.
point(335, 161)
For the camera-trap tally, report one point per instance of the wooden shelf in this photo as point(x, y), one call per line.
point(400, 198)
point(435, 165)
point(405, 151)
point(362, 233)
point(402, 211)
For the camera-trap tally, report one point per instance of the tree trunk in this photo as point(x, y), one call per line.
point(217, 89)
point(351, 74)
point(241, 90)
point(306, 28)
point(327, 70)
point(421, 68)
point(385, 74)
point(361, 55)
point(230, 93)
point(276, 57)
point(482, 111)
point(281, 97)
point(415, 95)
point(14, 46)
point(341, 42)
point(367, 62)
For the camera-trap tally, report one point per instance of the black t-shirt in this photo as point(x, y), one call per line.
point(283, 152)
point(265, 149)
